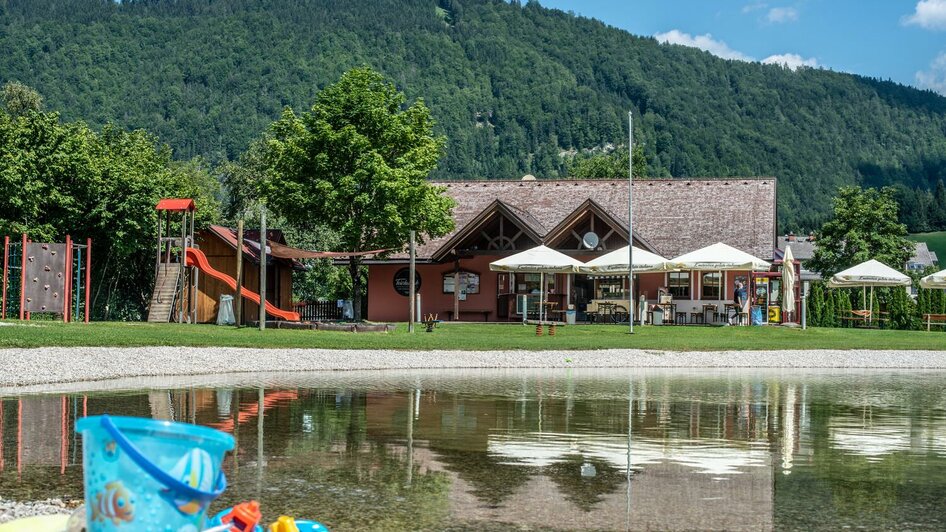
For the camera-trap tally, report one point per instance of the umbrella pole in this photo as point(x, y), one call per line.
point(870, 305)
point(541, 294)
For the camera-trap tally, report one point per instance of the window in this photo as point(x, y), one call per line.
point(529, 283)
point(469, 283)
point(611, 288)
point(679, 285)
point(711, 287)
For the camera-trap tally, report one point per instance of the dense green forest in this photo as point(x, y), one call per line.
point(514, 87)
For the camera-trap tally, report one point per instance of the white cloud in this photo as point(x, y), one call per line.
point(755, 6)
point(935, 77)
point(929, 14)
point(718, 48)
point(703, 42)
point(778, 15)
point(792, 61)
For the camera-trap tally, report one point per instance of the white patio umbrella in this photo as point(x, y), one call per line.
point(788, 281)
point(869, 274)
point(616, 262)
point(541, 260)
point(934, 280)
point(720, 256)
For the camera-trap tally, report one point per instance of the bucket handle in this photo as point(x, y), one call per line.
point(159, 474)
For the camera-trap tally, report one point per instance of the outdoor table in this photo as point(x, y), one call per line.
point(708, 308)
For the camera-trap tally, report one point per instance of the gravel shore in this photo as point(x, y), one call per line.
point(10, 510)
point(30, 367)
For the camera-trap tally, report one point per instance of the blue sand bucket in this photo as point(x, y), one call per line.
point(142, 474)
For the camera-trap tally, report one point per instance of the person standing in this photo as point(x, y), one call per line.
point(739, 297)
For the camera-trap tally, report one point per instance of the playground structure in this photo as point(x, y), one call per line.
point(178, 264)
point(46, 278)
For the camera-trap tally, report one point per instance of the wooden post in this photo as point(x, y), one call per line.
point(6, 272)
point(88, 275)
point(456, 289)
point(411, 280)
point(157, 259)
point(23, 279)
point(262, 270)
point(238, 300)
point(192, 300)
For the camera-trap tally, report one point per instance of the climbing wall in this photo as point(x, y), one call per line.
point(45, 277)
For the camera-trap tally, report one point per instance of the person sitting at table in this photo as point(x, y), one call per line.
point(739, 298)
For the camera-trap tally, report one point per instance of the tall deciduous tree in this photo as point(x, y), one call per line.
point(864, 227)
point(357, 162)
point(607, 165)
point(19, 99)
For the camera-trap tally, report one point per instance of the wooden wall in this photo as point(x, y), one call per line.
point(222, 257)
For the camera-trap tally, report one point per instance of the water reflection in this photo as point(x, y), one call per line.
point(549, 450)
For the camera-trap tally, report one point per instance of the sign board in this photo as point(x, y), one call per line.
point(402, 282)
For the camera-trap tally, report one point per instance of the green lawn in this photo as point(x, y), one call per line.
point(454, 336)
point(936, 243)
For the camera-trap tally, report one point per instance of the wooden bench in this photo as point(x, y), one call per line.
point(865, 318)
point(934, 319)
point(484, 312)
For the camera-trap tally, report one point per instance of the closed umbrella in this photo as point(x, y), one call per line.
point(788, 281)
point(541, 260)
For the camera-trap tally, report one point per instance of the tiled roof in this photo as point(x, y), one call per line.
point(675, 216)
point(802, 248)
point(922, 256)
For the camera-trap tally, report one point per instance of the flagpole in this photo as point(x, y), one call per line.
point(630, 222)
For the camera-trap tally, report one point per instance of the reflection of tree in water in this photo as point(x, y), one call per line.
point(494, 479)
point(585, 492)
point(322, 465)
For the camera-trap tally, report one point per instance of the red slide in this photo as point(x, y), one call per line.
point(196, 257)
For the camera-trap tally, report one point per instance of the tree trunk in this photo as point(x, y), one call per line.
point(354, 268)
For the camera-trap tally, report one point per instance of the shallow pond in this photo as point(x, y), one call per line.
point(536, 450)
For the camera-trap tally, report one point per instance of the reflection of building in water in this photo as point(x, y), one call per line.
point(694, 466)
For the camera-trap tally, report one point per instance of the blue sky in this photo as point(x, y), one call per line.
point(902, 40)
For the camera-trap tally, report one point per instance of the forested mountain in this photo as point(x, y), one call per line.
point(512, 87)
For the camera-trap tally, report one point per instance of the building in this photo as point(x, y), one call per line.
point(922, 258)
point(803, 249)
point(583, 218)
point(219, 244)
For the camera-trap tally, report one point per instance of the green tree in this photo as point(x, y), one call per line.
point(358, 162)
point(607, 165)
point(865, 226)
point(19, 99)
point(59, 178)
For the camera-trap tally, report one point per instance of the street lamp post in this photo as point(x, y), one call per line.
point(630, 222)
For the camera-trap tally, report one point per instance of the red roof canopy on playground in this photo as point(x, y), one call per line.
point(179, 205)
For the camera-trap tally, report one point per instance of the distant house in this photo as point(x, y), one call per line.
point(922, 258)
point(585, 219)
point(803, 248)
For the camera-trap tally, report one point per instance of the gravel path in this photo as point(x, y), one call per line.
point(24, 367)
point(10, 510)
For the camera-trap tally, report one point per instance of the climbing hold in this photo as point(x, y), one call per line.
point(35, 279)
point(45, 287)
point(47, 268)
point(55, 294)
point(45, 246)
point(31, 258)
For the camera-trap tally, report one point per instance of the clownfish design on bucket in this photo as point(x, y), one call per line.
point(115, 503)
point(196, 470)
